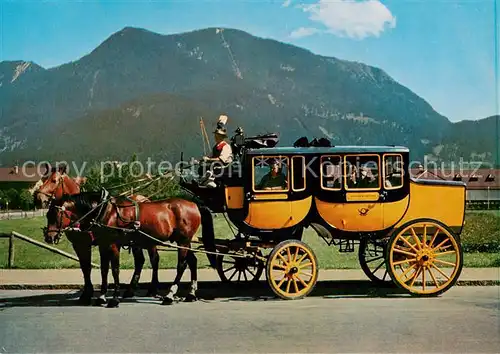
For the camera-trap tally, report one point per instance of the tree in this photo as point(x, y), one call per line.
point(12, 196)
point(123, 177)
point(26, 201)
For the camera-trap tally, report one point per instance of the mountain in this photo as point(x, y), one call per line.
point(142, 91)
point(472, 140)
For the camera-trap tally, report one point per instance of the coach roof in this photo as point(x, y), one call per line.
point(354, 149)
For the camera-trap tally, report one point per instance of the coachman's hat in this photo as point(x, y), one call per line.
point(220, 131)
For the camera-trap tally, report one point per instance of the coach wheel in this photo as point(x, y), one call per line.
point(424, 257)
point(372, 254)
point(238, 269)
point(292, 270)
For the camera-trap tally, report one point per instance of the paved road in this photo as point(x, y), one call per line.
point(465, 319)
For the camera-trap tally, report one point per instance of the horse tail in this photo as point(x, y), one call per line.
point(208, 235)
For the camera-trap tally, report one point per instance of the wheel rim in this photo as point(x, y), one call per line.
point(292, 270)
point(424, 258)
point(373, 262)
point(237, 269)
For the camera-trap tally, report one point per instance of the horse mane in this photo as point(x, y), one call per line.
point(83, 203)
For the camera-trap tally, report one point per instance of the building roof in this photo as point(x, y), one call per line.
point(475, 179)
point(19, 174)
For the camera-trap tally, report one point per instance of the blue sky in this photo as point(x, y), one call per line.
point(442, 50)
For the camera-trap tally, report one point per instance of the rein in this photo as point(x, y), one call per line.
point(67, 213)
point(105, 198)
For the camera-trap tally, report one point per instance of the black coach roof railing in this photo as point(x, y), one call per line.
point(355, 149)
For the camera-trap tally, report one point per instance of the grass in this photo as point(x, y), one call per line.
point(481, 232)
point(480, 229)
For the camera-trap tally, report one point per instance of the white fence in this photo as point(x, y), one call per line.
point(21, 214)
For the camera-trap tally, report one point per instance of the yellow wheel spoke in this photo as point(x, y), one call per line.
point(423, 278)
point(434, 237)
point(295, 285)
point(408, 270)
point(433, 277)
point(441, 244)
point(424, 236)
point(443, 253)
point(283, 259)
point(409, 244)
point(415, 276)
point(281, 282)
point(288, 285)
point(301, 281)
point(440, 271)
point(306, 273)
point(407, 260)
point(444, 262)
point(288, 255)
point(415, 237)
point(305, 265)
point(404, 252)
point(302, 258)
point(296, 254)
point(280, 266)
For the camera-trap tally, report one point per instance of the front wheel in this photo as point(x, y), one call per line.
point(424, 257)
point(292, 270)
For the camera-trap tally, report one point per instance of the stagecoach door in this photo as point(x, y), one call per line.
point(267, 192)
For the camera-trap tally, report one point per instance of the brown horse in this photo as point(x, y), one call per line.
point(175, 220)
point(57, 185)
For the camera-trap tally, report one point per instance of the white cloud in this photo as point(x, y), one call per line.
point(348, 18)
point(286, 3)
point(303, 32)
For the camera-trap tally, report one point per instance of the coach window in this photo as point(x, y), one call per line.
point(298, 173)
point(362, 172)
point(393, 171)
point(270, 173)
point(331, 172)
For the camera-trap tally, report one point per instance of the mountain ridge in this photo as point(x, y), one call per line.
point(267, 84)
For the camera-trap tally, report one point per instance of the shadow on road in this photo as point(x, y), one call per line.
point(220, 292)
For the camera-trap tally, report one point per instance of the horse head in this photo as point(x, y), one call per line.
point(71, 210)
point(55, 185)
point(59, 216)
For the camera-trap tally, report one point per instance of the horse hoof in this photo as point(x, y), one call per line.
point(167, 301)
point(113, 303)
point(191, 298)
point(128, 293)
point(85, 301)
point(100, 301)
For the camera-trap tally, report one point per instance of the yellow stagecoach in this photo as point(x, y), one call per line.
point(407, 230)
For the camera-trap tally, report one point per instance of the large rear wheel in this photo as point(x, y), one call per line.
point(424, 257)
point(292, 270)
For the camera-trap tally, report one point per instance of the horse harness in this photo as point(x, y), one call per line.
point(97, 221)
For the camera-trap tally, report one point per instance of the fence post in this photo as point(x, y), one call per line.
point(11, 251)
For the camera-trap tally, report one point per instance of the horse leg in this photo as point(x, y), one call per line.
point(84, 254)
point(115, 270)
point(154, 258)
point(104, 255)
point(181, 267)
point(138, 264)
point(193, 269)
